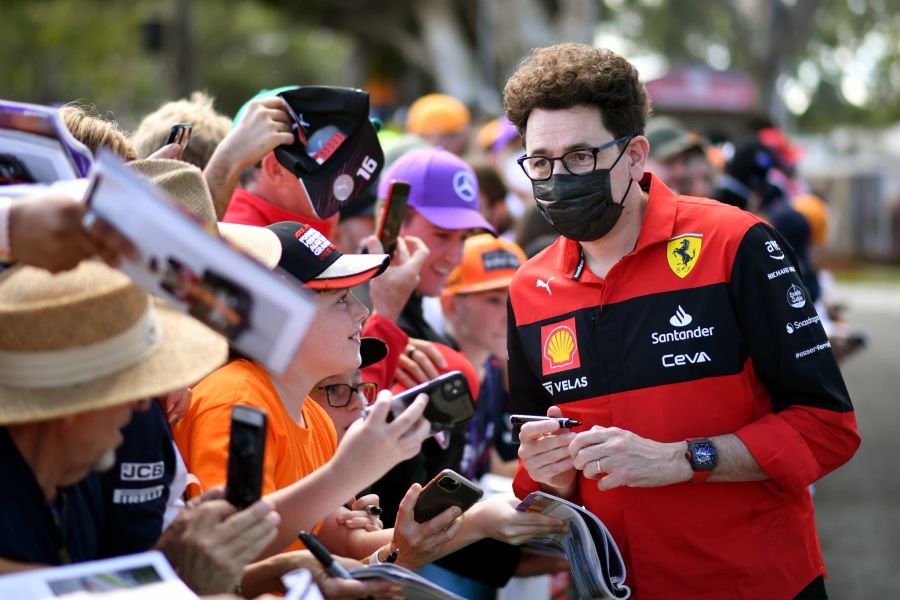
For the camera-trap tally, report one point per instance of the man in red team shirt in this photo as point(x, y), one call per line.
point(678, 331)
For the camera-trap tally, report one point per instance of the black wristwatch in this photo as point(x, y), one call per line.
point(703, 456)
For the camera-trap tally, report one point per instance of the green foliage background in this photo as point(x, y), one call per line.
point(97, 51)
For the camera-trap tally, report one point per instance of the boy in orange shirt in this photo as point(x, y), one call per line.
point(300, 436)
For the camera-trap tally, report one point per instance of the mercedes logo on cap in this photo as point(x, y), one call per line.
point(464, 186)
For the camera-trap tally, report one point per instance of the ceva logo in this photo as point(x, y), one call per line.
point(679, 360)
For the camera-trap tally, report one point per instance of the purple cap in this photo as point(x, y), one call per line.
point(505, 134)
point(442, 187)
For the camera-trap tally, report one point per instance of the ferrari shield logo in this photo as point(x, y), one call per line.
point(683, 251)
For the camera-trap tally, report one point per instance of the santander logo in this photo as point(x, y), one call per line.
point(680, 318)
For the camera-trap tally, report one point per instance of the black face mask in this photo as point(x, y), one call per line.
point(580, 207)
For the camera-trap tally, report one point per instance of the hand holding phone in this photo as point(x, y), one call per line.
point(448, 488)
point(391, 217)
point(180, 134)
point(246, 456)
point(450, 401)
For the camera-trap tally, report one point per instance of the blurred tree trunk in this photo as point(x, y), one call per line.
point(771, 34)
point(466, 47)
point(450, 56)
point(181, 45)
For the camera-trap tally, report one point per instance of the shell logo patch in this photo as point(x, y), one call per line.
point(683, 251)
point(559, 347)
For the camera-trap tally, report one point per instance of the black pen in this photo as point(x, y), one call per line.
point(322, 554)
point(564, 422)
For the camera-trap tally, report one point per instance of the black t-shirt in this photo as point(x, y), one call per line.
point(35, 530)
point(136, 489)
point(488, 560)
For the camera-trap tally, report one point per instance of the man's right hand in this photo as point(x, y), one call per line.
point(265, 576)
point(421, 543)
point(264, 126)
point(47, 232)
point(544, 450)
point(392, 289)
point(209, 543)
point(373, 446)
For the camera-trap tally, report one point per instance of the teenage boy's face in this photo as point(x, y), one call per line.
point(332, 343)
point(445, 248)
point(480, 318)
point(343, 416)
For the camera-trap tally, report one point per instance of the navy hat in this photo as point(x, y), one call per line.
point(313, 259)
point(371, 350)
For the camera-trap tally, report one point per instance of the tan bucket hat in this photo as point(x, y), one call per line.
point(186, 187)
point(90, 338)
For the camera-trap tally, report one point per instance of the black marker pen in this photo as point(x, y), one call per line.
point(322, 554)
point(563, 421)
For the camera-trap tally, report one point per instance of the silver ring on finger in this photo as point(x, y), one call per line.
point(410, 351)
point(599, 470)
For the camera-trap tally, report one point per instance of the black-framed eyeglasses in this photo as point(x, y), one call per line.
point(339, 395)
point(577, 162)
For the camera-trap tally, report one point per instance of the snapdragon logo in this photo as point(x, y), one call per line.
point(793, 326)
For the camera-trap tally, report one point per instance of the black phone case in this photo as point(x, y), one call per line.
point(392, 216)
point(177, 134)
point(435, 497)
point(246, 456)
point(450, 403)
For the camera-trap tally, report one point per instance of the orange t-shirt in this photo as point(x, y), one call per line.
point(292, 451)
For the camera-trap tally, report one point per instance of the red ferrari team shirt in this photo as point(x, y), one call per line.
point(704, 329)
point(246, 208)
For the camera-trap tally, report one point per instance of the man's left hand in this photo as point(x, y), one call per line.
point(627, 459)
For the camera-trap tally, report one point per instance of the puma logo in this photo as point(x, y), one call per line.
point(544, 284)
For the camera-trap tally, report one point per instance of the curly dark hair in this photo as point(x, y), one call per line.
point(567, 75)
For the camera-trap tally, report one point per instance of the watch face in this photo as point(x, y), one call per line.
point(703, 456)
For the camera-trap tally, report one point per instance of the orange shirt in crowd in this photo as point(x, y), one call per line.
point(292, 451)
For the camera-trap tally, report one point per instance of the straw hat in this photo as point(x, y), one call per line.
point(90, 338)
point(186, 187)
point(183, 182)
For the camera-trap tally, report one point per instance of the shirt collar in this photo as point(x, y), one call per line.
point(657, 226)
point(275, 214)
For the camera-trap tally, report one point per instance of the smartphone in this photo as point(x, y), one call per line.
point(392, 214)
point(180, 134)
point(246, 453)
point(447, 489)
point(450, 401)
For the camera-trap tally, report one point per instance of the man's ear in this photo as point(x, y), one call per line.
point(638, 152)
point(272, 169)
point(448, 305)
